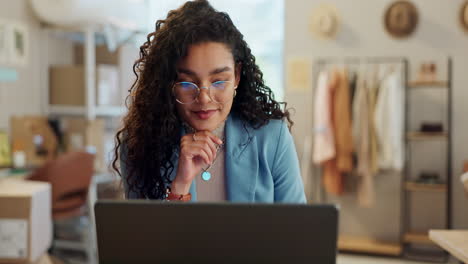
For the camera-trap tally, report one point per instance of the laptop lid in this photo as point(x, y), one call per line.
point(141, 231)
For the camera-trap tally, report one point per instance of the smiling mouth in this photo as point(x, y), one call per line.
point(204, 114)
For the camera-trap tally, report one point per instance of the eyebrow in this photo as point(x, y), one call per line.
point(213, 72)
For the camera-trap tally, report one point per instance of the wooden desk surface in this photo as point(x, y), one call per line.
point(454, 241)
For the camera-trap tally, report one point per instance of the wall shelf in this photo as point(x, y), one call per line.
point(425, 187)
point(426, 135)
point(110, 110)
point(412, 239)
point(428, 84)
point(104, 111)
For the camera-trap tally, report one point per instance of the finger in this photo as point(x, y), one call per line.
point(201, 152)
point(204, 145)
point(209, 141)
point(213, 137)
point(191, 152)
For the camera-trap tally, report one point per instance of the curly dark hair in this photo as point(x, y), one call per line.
point(151, 130)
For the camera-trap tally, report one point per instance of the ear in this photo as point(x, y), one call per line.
point(238, 71)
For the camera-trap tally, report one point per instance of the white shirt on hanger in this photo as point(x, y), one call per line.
point(389, 120)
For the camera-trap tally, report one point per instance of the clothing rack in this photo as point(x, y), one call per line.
point(362, 244)
point(323, 61)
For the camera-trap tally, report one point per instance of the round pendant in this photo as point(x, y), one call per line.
point(206, 175)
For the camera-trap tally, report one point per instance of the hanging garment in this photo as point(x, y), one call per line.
point(352, 76)
point(373, 90)
point(361, 133)
point(352, 86)
point(324, 143)
point(342, 123)
point(336, 168)
point(389, 120)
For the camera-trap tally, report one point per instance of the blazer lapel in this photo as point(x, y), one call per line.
point(241, 161)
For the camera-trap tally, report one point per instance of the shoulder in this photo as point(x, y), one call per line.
point(273, 129)
point(270, 133)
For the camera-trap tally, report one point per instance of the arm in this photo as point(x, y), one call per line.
point(286, 173)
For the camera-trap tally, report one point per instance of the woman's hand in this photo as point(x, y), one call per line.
point(196, 152)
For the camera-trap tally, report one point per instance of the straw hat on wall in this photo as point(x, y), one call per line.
point(401, 19)
point(464, 16)
point(324, 21)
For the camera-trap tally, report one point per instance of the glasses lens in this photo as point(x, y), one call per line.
point(220, 91)
point(185, 92)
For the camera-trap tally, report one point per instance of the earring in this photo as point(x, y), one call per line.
point(235, 92)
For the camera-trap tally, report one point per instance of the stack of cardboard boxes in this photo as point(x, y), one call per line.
point(25, 220)
point(25, 206)
point(114, 76)
point(34, 141)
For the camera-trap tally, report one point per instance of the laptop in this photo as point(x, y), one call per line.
point(142, 231)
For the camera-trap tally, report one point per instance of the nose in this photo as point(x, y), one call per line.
point(204, 96)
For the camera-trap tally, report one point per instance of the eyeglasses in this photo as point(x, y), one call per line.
point(188, 92)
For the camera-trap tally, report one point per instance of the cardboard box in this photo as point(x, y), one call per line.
point(5, 150)
point(107, 88)
point(68, 85)
point(124, 57)
point(84, 135)
point(25, 220)
point(34, 136)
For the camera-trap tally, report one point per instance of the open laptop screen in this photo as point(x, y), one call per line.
point(140, 231)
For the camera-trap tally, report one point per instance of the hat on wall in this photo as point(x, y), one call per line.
point(401, 19)
point(324, 21)
point(464, 16)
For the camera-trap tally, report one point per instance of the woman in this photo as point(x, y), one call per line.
point(202, 125)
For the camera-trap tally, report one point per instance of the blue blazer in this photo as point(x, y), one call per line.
point(261, 165)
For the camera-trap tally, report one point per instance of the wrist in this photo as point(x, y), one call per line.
point(180, 187)
point(178, 197)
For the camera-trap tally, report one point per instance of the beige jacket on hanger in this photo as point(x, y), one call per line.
point(362, 138)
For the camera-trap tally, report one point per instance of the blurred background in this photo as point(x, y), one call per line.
point(66, 68)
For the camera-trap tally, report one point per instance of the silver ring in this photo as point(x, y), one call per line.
point(193, 137)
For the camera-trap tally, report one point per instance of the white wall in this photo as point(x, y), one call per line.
point(24, 96)
point(362, 34)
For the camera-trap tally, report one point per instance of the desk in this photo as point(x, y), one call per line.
point(454, 241)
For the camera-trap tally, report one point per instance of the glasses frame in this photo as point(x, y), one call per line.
point(199, 91)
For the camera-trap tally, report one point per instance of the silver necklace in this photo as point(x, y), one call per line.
point(206, 175)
